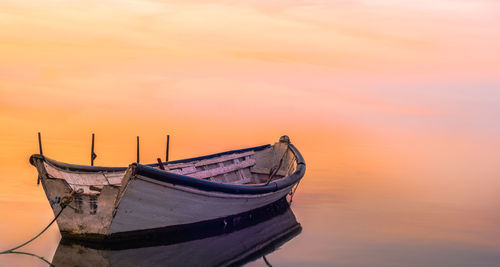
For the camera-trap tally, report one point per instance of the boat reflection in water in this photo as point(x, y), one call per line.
point(233, 241)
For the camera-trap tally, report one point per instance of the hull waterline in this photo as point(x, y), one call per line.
point(108, 203)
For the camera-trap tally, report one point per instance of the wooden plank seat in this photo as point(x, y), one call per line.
point(208, 168)
point(208, 161)
point(267, 171)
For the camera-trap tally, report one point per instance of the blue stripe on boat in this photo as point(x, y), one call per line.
point(201, 184)
point(177, 179)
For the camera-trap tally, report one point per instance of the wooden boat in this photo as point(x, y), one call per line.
point(123, 202)
point(250, 239)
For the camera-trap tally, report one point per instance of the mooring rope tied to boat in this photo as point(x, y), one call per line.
point(292, 192)
point(31, 254)
point(275, 169)
point(263, 173)
point(64, 203)
point(290, 164)
point(266, 261)
point(63, 206)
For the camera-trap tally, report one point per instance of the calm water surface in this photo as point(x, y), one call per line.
point(340, 227)
point(394, 105)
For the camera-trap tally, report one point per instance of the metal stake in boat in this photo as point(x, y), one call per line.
point(92, 154)
point(137, 149)
point(40, 143)
point(41, 153)
point(160, 164)
point(168, 145)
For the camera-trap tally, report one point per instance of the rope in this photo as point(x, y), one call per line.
point(275, 171)
point(292, 192)
point(33, 255)
point(45, 229)
point(64, 203)
point(292, 160)
point(266, 261)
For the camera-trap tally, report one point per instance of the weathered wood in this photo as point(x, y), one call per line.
point(242, 179)
point(275, 169)
point(224, 169)
point(82, 221)
point(83, 180)
point(179, 165)
point(194, 172)
point(223, 158)
point(193, 168)
point(95, 188)
point(267, 171)
point(185, 170)
point(225, 176)
point(135, 199)
point(269, 160)
point(210, 161)
point(114, 178)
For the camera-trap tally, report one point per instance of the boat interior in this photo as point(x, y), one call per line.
point(257, 166)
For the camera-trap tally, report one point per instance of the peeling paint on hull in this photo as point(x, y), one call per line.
point(146, 199)
point(250, 237)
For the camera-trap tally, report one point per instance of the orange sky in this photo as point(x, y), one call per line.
point(383, 97)
point(218, 76)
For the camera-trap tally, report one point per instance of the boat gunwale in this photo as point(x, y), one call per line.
point(200, 184)
point(205, 185)
point(86, 168)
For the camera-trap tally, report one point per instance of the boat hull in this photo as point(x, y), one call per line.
point(156, 204)
point(250, 237)
point(100, 205)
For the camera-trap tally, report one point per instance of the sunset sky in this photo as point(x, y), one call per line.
point(380, 96)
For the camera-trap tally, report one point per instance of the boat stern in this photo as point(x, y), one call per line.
point(90, 208)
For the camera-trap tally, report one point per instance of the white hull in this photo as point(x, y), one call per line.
point(104, 202)
point(231, 248)
point(156, 204)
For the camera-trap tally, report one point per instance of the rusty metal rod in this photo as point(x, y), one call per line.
point(41, 153)
point(160, 164)
point(40, 143)
point(168, 147)
point(92, 154)
point(137, 149)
